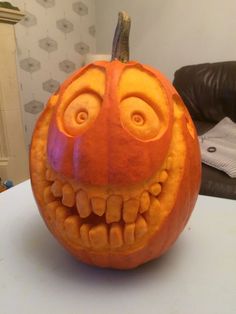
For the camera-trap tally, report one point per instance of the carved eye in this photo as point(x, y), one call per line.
point(82, 116)
point(139, 118)
point(81, 113)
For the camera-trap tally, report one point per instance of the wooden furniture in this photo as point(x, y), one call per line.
point(13, 151)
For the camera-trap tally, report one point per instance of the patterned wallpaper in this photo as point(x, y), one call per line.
point(52, 42)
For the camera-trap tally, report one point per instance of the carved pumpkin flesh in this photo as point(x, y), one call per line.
point(115, 164)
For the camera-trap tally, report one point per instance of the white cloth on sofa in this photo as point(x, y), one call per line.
point(218, 147)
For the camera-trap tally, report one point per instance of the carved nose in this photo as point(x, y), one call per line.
point(107, 155)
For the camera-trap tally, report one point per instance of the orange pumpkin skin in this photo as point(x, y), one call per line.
point(142, 166)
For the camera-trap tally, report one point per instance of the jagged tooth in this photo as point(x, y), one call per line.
point(51, 210)
point(98, 205)
point(56, 188)
point(163, 176)
point(84, 234)
point(47, 195)
point(155, 189)
point(68, 198)
point(153, 214)
point(98, 236)
point(116, 238)
point(83, 204)
point(129, 233)
point(130, 210)
point(62, 213)
point(141, 227)
point(114, 207)
point(72, 228)
point(144, 202)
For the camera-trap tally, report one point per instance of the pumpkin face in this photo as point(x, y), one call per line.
point(107, 113)
point(115, 164)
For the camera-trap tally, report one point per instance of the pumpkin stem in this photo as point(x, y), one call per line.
point(120, 46)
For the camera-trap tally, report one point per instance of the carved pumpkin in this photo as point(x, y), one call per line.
point(115, 163)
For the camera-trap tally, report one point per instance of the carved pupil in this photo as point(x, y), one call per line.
point(82, 116)
point(138, 118)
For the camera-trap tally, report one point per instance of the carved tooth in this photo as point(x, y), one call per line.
point(168, 163)
point(56, 188)
point(84, 234)
point(51, 210)
point(116, 238)
point(144, 202)
point(98, 236)
point(114, 206)
point(155, 189)
point(130, 210)
point(98, 205)
point(129, 233)
point(141, 227)
point(68, 198)
point(72, 228)
point(163, 176)
point(62, 213)
point(153, 214)
point(83, 205)
point(47, 195)
point(50, 176)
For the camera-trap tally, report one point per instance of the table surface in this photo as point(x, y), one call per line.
point(197, 275)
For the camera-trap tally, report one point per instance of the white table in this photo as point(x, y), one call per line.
point(197, 276)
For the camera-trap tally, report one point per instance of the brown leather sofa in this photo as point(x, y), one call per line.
point(209, 92)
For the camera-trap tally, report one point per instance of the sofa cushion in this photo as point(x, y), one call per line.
point(217, 183)
point(214, 182)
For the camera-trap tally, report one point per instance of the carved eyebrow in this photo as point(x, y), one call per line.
point(140, 83)
point(93, 78)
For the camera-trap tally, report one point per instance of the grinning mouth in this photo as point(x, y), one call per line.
point(104, 218)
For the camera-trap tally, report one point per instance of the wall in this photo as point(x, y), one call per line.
point(168, 34)
point(52, 42)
